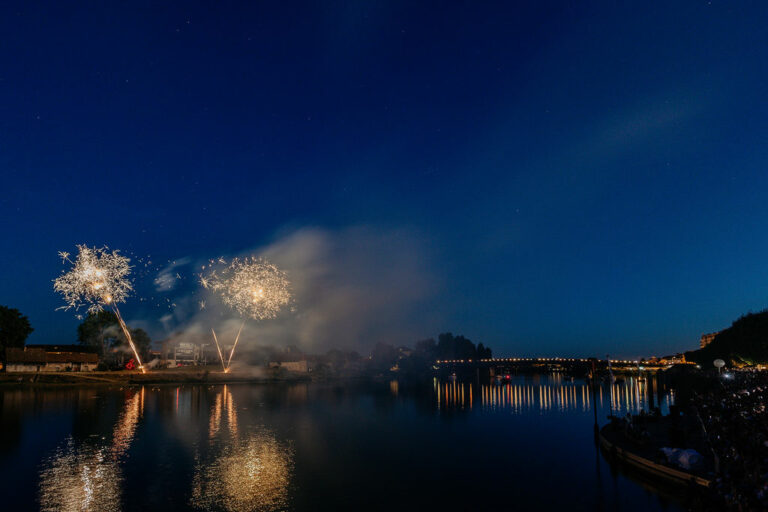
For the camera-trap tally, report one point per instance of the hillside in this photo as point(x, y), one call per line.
point(744, 342)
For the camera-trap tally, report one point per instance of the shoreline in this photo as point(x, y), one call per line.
point(136, 378)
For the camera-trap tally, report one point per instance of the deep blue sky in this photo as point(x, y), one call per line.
point(588, 178)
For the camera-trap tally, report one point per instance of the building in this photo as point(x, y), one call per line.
point(675, 359)
point(296, 366)
point(183, 353)
point(706, 339)
point(51, 358)
point(302, 366)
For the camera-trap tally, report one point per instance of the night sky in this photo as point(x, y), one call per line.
point(574, 178)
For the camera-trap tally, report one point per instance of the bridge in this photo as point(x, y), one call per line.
point(500, 365)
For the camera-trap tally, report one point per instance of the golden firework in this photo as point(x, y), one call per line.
point(253, 287)
point(97, 278)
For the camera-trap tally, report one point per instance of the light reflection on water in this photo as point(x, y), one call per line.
point(87, 476)
point(252, 473)
point(247, 472)
point(239, 470)
point(555, 394)
point(246, 447)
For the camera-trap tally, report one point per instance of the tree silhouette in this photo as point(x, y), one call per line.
point(14, 328)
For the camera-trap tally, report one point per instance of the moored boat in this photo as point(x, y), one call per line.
point(614, 443)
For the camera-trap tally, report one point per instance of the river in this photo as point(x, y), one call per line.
point(527, 444)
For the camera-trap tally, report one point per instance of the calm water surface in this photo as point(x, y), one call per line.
point(448, 445)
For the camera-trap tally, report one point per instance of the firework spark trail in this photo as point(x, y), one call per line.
point(231, 352)
point(128, 337)
point(98, 278)
point(218, 347)
point(251, 286)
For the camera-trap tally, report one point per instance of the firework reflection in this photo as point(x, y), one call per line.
point(88, 477)
point(250, 471)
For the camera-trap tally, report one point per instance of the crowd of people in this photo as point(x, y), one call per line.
point(735, 419)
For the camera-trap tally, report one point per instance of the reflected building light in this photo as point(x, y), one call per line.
point(394, 387)
point(557, 396)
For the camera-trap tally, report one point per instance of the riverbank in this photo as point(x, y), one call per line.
point(735, 422)
point(192, 375)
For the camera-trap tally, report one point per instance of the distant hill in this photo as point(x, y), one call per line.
point(744, 342)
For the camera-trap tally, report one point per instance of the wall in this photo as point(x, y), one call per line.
point(50, 367)
point(296, 366)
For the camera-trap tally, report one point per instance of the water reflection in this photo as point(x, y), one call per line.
point(246, 471)
point(87, 476)
point(223, 403)
point(553, 394)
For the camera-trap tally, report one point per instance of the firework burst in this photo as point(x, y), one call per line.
point(98, 278)
point(253, 287)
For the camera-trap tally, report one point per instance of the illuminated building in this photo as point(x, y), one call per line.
point(706, 339)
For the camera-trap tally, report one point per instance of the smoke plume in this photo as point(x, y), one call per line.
point(351, 288)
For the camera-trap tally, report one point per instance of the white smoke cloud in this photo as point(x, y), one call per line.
point(352, 288)
point(168, 277)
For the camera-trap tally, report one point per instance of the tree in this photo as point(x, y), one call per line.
point(99, 330)
point(383, 356)
point(483, 352)
point(102, 331)
point(141, 340)
point(14, 328)
point(455, 347)
point(459, 347)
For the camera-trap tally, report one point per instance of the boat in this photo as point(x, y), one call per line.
point(614, 444)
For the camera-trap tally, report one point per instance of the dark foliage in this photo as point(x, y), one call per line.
point(98, 330)
point(102, 331)
point(459, 347)
point(419, 360)
point(744, 342)
point(14, 328)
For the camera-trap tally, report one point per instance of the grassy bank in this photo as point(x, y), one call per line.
point(189, 375)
